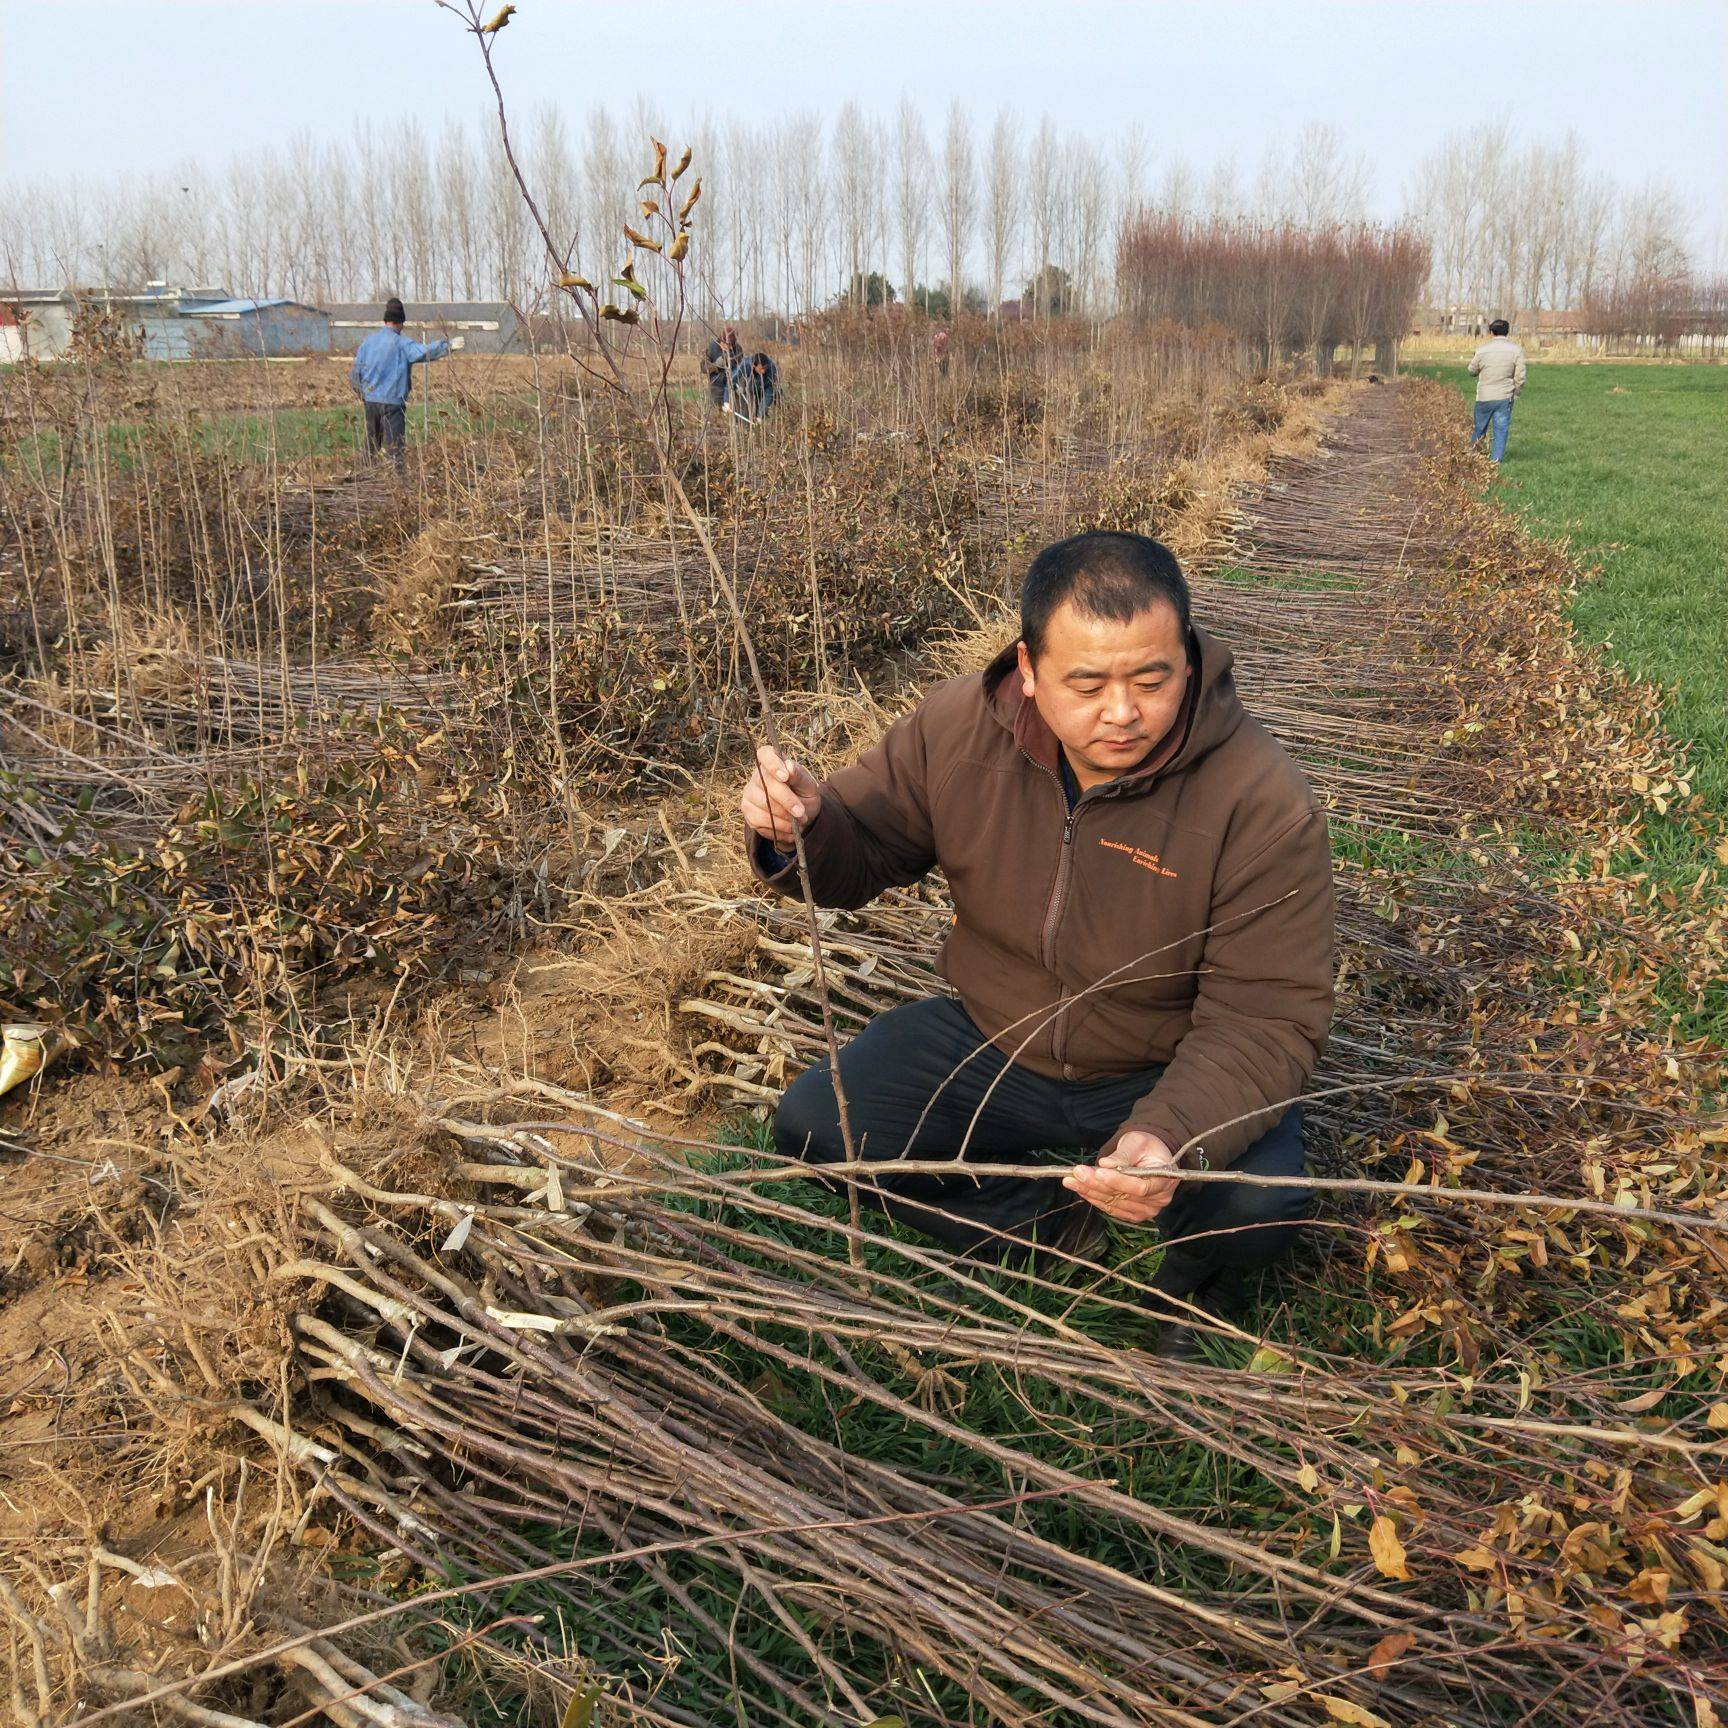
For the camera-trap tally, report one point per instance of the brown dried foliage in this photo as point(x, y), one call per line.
point(1478, 1524)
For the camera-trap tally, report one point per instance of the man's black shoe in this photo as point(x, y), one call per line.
point(1176, 1341)
point(1077, 1232)
point(1181, 1324)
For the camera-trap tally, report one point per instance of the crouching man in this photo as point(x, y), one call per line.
point(1142, 948)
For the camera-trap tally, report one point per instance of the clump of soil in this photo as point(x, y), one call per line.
point(606, 1017)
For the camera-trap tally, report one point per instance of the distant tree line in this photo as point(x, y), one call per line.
point(1285, 291)
point(1683, 314)
point(794, 213)
point(1517, 227)
point(798, 214)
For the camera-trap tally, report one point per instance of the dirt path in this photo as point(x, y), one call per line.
point(1355, 505)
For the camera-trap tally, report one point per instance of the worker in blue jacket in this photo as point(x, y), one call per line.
point(755, 386)
point(382, 376)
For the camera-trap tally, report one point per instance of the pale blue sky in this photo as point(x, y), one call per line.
point(90, 85)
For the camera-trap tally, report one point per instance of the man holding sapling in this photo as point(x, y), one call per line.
point(1142, 948)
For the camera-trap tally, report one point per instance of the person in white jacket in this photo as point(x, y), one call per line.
point(1498, 368)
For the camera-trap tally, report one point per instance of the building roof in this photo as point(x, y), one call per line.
point(155, 295)
point(227, 308)
point(418, 311)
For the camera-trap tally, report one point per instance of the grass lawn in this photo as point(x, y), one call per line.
point(1628, 460)
point(295, 432)
point(286, 435)
point(1631, 461)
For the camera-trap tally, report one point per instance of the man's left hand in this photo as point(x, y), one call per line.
point(1125, 1183)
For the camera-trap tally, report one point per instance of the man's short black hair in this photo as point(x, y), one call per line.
point(393, 312)
point(1499, 328)
point(1106, 575)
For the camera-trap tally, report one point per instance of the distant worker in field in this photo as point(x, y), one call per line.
point(1141, 956)
point(721, 361)
point(1498, 368)
point(755, 386)
point(939, 352)
point(382, 376)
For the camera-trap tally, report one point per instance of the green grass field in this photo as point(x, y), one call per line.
point(1627, 461)
point(293, 432)
point(285, 435)
point(1631, 462)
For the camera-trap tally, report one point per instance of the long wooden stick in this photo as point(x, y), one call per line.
point(878, 1169)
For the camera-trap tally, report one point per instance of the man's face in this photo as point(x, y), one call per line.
point(1109, 691)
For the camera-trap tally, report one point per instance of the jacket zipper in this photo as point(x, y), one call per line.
point(1047, 934)
point(1053, 916)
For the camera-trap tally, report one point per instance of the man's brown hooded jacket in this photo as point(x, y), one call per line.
point(1181, 915)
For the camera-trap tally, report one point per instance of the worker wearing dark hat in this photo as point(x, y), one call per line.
point(382, 376)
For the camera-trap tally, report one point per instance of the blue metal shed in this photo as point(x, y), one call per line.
point(215, 329)
point(165, 337)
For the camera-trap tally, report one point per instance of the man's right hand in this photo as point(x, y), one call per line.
point(778, 798)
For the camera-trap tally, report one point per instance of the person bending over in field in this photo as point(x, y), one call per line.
point(1498, 368)
point(720, 362)
point(382, 376)
point(755, 386)
point(1141, 958)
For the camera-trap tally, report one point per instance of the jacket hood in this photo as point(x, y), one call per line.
point(1211, 713)
point(1210, 860)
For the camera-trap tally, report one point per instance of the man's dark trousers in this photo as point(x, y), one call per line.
point(921, 1080)
point(386, 426)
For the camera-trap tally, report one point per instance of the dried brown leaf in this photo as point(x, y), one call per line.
point(1387, 1550)
point(1343, 1710)
point(1388, 1650)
